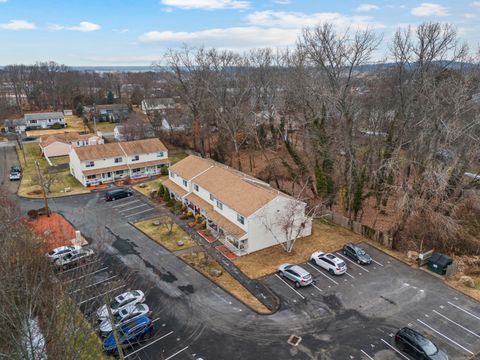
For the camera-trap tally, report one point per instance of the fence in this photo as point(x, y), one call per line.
point(358, 228)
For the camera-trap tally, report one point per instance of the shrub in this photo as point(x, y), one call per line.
point(198, 218)
point(164, 170)
point(189, 214)
point(56, 126)
point(170, 203)
point(32, 214)
point(166, 195)
point(161, 190)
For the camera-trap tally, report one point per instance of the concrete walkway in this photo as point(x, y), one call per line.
point(257, 288)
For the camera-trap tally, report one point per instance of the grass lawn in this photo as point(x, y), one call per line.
point(104, 126)
point(59, 160)
point(74, 123)
point(148, 186)
point(325, 237)
point(225, 280)
point(28, 187)
point(160, 234)
point(177, 157)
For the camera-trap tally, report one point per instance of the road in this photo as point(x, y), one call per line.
point(8, 157)
point(349, 317)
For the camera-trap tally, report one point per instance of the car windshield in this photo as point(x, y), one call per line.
point(115, 304)
point(428, 347)
point(341, 264)
point(361, 252)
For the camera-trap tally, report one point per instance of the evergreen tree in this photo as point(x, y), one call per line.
point(110, 97)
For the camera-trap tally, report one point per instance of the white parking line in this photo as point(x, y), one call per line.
point(303, 297)
point(453, 322)
point(316, 287)
point(445, 336)
point(140, 212)
point(151, 343)
point(105, 293)
point(89, 286)
point(368, 356)
point(393, 348)
point(465, 311)
point(79, 267)
point(375, 261)
point(328, 277)
point(178, 352)
point(346, 273)
point(135, 207)
point(83, 276)
point(353, 262)
point(125, 204)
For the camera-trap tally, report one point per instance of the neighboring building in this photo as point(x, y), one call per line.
point(61, 144)
point(44, 120)
point(68, 112)
point(150, 106)
point(119, 133)
point(108, 112)
point(98, 164)
point(166, 126)
point(15, 125)
point(242, 211)
point(133, 131)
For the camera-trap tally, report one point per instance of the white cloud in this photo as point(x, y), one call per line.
point(429, 9)
point(3, 1)
point(282, 2)
point(84, 26)
point(207, 4)
point(469, 15)
point(299, 20)
point(476, 4)
point(18, 25)
point(366, 8)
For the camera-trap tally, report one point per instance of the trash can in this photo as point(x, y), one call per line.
point(438, 263)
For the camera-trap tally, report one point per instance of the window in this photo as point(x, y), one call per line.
point(172, 174)
point(195, 187)
point(219, 205)
point(118, 160)
point(135, 158)
point(90, 164)
point(119, 172)
point(33, 121)
point(91, 177)
point(212, 198)
point(160, 154)
point(185, 183)
point(240, 219)
point(135, 170)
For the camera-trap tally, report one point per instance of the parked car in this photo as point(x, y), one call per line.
point(15, 175)
point(120, 302)
point(130, 334)
point(29, 138)
point(329, 262)
point(62, 250)
point(418, 346)
point(73, 258)
point(16, 168)
point(295, 273)
point(118, 194)
point(357, 253)
point(124, 316)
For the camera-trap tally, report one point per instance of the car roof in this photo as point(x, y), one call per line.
point(299, 270)
point(137, 321)
point(332, 257)
point(113, 191)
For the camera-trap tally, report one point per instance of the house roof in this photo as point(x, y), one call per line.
point(191, 166)
point(43, 116)
point(155, 102)
point(175, 188)
point(104, 151)
point(66, 137)
point(113, 107)
point(239, 191)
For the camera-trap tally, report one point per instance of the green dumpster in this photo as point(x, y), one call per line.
point(438, 263)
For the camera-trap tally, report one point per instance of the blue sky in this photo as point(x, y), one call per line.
point(137, 32)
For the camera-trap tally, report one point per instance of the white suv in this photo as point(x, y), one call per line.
point(329, 262)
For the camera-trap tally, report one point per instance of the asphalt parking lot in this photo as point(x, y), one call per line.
point(377, 299)
point(133, 209)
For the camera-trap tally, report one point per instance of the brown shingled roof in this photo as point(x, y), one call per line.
point(101, 151)
point(169, 184)
point(145, 146)
point(191, 166)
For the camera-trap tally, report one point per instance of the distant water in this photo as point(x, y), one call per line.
point(108, 69)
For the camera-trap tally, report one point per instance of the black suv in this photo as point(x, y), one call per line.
point(418, 346)
point(118, 194)
point(357, 253)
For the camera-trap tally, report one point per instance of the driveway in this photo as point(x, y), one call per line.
point(349, 317)
point(8, 157)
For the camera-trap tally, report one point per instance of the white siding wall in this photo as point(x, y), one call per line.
point(179, 181)
point(258, 236)
point(75, 167)
point(144, 157)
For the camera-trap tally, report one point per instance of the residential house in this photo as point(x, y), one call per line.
point(44, 120)
point(61, 144)
point(105, 163)
point(107, 112)
point(243, 212)
point(150, 106)
point(15, 125)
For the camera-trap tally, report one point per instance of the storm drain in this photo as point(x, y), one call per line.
point(294, 340)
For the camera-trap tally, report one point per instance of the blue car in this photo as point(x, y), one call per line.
point(131, 333)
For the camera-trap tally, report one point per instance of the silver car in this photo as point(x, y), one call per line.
point(295, 273)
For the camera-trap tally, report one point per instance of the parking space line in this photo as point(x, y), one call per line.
point(125, 204)
point(140, 212)
point(465, 311)
point(135, 207)
point(394, 349)
point(353, 262)
point(376, 262)
point(83, 276)
point(291, 288)
point(78, 267)
point(178, 352)
point(151, 343)
point(445, 336)
point(453, 322)
point(346, 273)
point(328, 277)
point(105, 293)
point(316, 287)
point(89, 286)
point(368, 356)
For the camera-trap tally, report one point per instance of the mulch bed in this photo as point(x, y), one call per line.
point(225, 252)
point(55, 230)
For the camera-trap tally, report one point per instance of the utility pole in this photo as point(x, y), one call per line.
point(40, 176)
point(20, 145)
